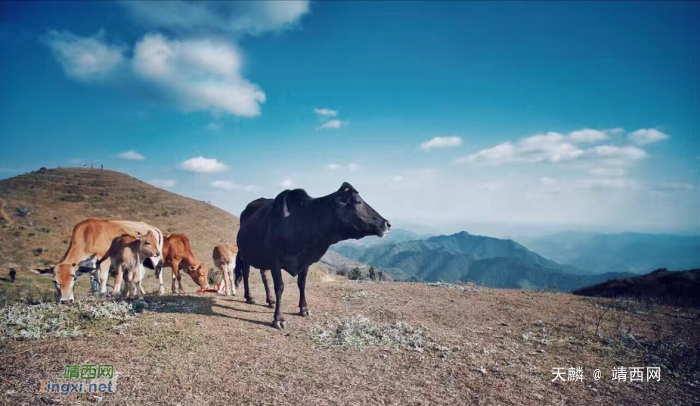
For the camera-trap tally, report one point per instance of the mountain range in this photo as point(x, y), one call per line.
point(465, 257)
point(626, 252)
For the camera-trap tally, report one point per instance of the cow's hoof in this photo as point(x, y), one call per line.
point(304, 313)
point(250, 301)
point(271, 304)
point(161, 291)
point(279, 324)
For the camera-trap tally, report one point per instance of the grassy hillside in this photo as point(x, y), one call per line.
point(40, 209)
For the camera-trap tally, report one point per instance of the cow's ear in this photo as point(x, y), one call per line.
point(346, 187)
point(280, 204)
point(43, 271)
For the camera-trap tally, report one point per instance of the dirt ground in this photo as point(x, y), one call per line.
point(503, 346)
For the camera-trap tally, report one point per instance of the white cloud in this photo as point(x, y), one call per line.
point(326, 112)
point(333, 167)
point(163, 183)
point(615, 131)
point(203, 165)
point(131, 155)
point(84, 58)
point(607, 172)
point(239, 17)
point(228, 185)
point(332, 124)
point(287, 183)
point(587, 135)
point(647, 136)
point(353, 167)
point(554, 147)
point(397, 178)
point(624, 153)
point(200, 74)
point(442, 142)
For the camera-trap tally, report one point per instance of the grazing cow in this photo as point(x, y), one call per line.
point(90, 240)
point(178, 255)
point(294, 230)
point(225, 259)
point(125, 254)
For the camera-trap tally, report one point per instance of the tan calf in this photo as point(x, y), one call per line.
point(178, 255)
point(126, 255)
point(225, 259)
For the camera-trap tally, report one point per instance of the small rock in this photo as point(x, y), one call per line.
point(482, 370)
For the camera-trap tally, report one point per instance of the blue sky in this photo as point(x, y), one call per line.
point(499, 118)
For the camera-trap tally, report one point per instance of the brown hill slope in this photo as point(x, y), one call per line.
point(40, 209)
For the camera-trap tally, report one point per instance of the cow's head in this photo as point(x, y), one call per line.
point(64, 277)
point(199, 274)
point(149, 245)
point(358, 218)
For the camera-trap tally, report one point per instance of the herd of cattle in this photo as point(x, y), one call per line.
point(290, 232)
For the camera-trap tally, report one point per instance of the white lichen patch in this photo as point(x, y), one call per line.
point(358, 332)
point(23, 321)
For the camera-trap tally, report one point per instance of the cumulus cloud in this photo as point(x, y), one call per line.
point(131, 155)
point(163, 183)
point(228, 185)
point(555, 147)
point(326, 112)
point(201, 74)
point(84, 58)
point(587, 135)
point(287, 183)
point(645, 136)
point(238, 17)
point(331, 125)
point(203, 165)
point(441, 142)
point(333, 167)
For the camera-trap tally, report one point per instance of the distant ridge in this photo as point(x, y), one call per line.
point(465, 257)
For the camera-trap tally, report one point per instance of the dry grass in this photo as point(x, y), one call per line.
point(205, 349)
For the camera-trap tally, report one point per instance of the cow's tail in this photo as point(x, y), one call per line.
point(238, 270)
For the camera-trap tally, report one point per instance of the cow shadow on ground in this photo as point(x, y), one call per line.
point(200, 305)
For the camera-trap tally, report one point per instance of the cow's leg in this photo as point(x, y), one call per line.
point(139, 279)
point(179, 280)
point(230, 279)
point(175, 267)
point(118, 281)
point(264, 274)
point(278, 321)
point(159, 274)
point(103, 275)
point(301, 282)
point(245, 269)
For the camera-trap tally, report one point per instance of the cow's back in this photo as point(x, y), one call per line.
point(252, 234)
point(95, 236)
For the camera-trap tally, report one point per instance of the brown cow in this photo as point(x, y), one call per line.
point(225, 259)
point(125, 257)
point(178, 255)
point(90, 240)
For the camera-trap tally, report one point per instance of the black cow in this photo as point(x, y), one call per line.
point(293, 231)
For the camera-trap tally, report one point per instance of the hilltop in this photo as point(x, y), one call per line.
point(40, 209)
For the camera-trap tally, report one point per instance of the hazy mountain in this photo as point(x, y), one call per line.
point(464, 257)
point(627, 252)
point(394, 237)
